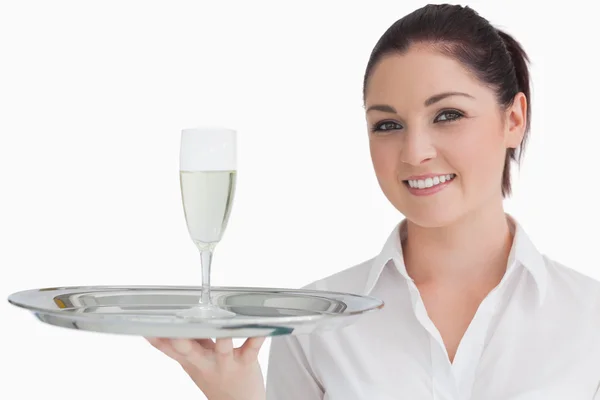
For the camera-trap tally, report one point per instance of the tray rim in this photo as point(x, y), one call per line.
point(217, 322)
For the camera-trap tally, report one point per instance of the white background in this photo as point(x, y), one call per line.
point(93, 96)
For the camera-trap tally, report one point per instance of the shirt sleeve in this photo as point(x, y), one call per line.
point(289, 374)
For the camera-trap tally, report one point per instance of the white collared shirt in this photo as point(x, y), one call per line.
point(535, 336)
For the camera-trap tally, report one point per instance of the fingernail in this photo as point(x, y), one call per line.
point(182, 346)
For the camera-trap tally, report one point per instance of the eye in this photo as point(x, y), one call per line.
point(448, 116)
point(386, 126)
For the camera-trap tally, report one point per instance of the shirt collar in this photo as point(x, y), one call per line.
point(523, 252)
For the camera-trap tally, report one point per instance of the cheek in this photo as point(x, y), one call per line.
point(482, 156)
point(385, 160)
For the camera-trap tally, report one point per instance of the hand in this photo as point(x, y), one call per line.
point(220, 371)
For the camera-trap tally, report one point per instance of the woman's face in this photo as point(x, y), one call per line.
point(438, 137)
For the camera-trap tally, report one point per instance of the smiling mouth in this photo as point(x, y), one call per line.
point(429, 182)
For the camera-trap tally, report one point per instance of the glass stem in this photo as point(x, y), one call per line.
point(206, 260)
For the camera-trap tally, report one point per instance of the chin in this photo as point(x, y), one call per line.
point(430, 217)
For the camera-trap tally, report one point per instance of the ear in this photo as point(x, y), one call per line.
point(516, 121)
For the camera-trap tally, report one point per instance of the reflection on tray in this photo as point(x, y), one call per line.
point(169, 311)
point(164, 304)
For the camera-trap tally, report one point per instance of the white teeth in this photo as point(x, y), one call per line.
point(430, 182)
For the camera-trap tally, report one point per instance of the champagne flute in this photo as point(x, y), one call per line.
point(208, 179)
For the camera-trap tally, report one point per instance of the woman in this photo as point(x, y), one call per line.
point(473, 310)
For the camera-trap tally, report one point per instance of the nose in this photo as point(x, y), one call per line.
point(417, 148)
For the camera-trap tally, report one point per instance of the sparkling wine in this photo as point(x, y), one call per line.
point(207, 200)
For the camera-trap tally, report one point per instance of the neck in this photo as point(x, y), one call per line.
point(474, 248)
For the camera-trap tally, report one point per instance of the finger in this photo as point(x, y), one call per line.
point(208, 344)
point(161, 344)
point(248, 352)
point(224, 348)
point(186, 352)
point(192, 353)
point(165, 346)
point(154, 341)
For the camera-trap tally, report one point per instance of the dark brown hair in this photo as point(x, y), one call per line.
point(493, 56)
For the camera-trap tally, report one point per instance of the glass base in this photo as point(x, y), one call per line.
point(205, 311)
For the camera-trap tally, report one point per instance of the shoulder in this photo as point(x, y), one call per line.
point(348, 280)
point(569, 275)
point(570, 284)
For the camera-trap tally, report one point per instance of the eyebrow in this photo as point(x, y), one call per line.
point(432, 100)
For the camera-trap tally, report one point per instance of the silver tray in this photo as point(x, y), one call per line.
point(151, 311)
